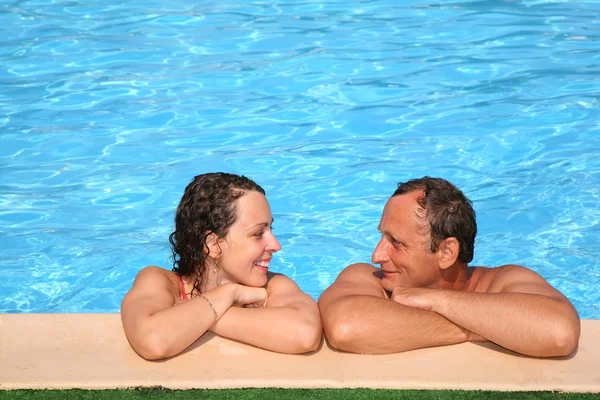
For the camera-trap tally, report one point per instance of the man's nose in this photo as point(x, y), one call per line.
point(379, 254)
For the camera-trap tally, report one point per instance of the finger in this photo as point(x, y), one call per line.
point(409, 301)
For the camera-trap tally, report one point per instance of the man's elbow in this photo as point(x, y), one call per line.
point(340, 334)
point(566, 338)
point(339, 337)
point(561, 340)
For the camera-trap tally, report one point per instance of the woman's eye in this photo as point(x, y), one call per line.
point(259, 234)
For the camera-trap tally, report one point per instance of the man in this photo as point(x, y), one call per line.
point(426, 295)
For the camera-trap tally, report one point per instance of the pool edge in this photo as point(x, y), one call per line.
point(90, 351)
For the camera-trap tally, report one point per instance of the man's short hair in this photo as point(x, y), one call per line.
point(449, 213)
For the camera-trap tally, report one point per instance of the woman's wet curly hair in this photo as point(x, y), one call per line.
point(208, 206)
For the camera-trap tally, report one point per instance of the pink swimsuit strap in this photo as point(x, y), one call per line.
point(183, 294)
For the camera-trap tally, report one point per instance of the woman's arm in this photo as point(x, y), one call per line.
point(157, 325)
point(290, 322)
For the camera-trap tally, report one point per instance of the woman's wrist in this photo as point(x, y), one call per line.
point(232, 292)
point(223, 297)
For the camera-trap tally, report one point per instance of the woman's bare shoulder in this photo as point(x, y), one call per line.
point(154, 271)
point(283, 291)
point(277, 283)
point(153, 279)
point(155, 274)
point(275, 278)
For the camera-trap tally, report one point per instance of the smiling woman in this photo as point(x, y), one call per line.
point(222, 246)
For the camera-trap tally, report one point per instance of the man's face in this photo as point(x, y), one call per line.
point(403, 252)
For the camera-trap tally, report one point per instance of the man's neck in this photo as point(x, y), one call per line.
point(456, 277)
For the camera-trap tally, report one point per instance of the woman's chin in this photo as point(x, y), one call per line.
point(262, 282)
point(255, 281)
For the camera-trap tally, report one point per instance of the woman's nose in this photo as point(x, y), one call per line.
point(274, 244)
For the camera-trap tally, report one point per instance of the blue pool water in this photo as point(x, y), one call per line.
point(109, 108)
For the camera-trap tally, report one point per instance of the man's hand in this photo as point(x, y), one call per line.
point(429, 300)
point(422, 298)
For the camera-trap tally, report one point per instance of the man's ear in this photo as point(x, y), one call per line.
point(448, 250)
point(212, 244)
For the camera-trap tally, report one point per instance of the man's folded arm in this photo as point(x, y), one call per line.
point(520, 311)
point(358, 318)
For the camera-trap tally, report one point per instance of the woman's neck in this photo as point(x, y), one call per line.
point(213, 276)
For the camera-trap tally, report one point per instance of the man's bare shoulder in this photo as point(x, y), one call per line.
point(359, 271)
point(356, 279)
point(508, 277)
point(480, 278)
point(485, 279)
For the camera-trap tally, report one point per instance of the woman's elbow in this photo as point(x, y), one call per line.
point(309, 338)
point(151, 348)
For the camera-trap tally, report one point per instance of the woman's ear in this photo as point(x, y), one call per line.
point(212, 243)
point(448, 250)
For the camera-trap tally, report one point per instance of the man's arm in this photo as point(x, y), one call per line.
point(290, 322)
point(358, 318)
point(519, 311)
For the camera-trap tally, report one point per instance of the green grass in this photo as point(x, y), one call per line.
point(285, 394)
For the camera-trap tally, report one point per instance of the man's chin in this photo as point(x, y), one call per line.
point(388, 285)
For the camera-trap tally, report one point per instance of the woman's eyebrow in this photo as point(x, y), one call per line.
point(265, 224)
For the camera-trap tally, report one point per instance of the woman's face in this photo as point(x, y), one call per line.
point(247, 249)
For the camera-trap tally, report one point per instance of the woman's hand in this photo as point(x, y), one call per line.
point(250, 297)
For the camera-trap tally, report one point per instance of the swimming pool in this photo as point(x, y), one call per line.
point(108, 109)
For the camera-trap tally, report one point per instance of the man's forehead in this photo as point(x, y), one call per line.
point(407, 201)
point(403, 209)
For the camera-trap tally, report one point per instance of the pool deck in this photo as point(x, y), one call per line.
point(59, 351)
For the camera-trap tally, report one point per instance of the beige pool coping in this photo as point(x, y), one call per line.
point(60, 351)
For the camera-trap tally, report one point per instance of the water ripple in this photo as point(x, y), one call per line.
point(108, 109)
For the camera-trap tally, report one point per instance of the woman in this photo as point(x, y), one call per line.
point(222, 247)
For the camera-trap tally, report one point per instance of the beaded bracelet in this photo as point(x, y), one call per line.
point(211, 306)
